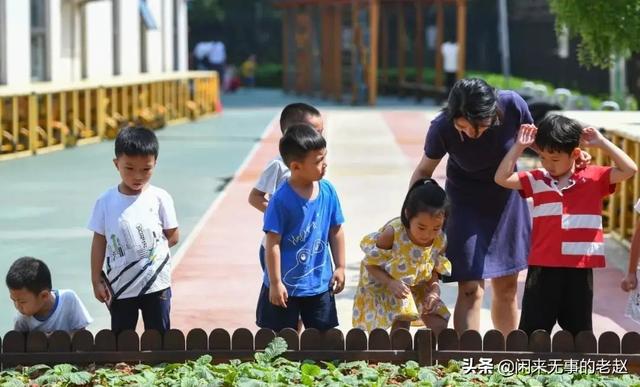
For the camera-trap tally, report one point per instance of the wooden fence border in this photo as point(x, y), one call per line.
point(151, 347)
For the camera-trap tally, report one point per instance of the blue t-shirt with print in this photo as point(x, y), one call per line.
point(304, 225)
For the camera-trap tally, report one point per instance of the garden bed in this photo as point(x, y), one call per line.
point(270, 369)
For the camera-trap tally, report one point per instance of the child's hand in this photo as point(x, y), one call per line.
point(278, 294)
point(338, 280)
point(583, 160)
point(431, 302)
point(629, 282)
point(100, 291)
point(591, 137)
point(398, 288)
point(526, 135)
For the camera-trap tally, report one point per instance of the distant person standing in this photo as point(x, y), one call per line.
point(217, 58)
point(449, 52)
point(248, 70)
point(200, 55)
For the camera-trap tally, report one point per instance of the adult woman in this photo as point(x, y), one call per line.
point(488, 228)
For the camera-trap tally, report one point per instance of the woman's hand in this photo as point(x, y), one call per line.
point(398, 288)
point(629, 282)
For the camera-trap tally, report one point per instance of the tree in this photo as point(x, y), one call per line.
point(607, 28)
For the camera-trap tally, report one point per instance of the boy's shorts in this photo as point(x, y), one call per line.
point(317, 311)
point(561, 294)
point(155, 309)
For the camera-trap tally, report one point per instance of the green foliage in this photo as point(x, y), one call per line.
point(276, 347)
point(605, 28)
point(245, 26)
point(271, 370)
point(269, 75)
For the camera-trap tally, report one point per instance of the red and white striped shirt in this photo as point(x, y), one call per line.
point(567, 222)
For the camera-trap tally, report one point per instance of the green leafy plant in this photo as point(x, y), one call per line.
point(271, 369)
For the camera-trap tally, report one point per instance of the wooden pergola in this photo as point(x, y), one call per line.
point(330, 44)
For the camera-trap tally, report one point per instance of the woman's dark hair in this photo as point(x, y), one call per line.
point(137, 141)
point(558, 133)
point(474, 100)
point(425, 195)
point(29, 273)
point(298, 141)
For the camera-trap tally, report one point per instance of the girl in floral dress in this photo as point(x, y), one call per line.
point(403, 261)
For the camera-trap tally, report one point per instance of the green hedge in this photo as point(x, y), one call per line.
point(270, 75)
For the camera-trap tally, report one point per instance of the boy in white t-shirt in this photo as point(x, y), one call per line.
point(134, 225)
point(276, 171)
point(41, 308)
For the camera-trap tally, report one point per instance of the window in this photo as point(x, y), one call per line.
point(147, 17)
point(39, 41)
point(147, 22)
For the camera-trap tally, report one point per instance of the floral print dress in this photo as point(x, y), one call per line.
point(374, 306)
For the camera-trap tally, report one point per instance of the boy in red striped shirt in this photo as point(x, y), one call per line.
point(567, 241)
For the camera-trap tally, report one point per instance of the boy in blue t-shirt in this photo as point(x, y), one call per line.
point(303, 225)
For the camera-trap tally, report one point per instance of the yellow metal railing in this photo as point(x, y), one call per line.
point(44, 117)
point(619, 216)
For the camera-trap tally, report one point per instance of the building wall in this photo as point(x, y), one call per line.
point(72, 56)
point(167, 35)
point(154, 39)
point(67, 66)
point(98, 46)
point(3, 55)
point(183, 50)
point(129, 37)
point(17, 42)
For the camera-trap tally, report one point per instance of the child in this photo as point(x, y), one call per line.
point(630, 282)
point(399, 274)
point(302, 222)
point(134, 225)
point(276, 171)
point(567, 239)
point(43, 309)
point(248, 69)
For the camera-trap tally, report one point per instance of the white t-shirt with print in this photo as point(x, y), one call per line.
point(137, 258)
point(68, 314)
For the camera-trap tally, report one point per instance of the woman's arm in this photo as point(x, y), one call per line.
point(424, 169)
